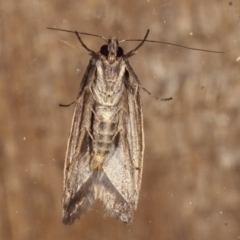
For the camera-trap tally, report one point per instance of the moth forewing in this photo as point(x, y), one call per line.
point(136, 124)
point(104, 157)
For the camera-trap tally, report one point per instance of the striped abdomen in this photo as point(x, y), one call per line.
point(105, 127)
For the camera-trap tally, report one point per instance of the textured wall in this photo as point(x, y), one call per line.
point(191, 174)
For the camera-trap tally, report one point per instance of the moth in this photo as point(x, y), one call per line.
point(104, 157)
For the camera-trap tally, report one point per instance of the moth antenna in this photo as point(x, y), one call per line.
point(131, 53)
point(83, 33)
point(172, 44)
point(66, 105)
point(88, 49)
point(157, 98)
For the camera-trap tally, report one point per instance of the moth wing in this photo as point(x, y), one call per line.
point(77, 168)
point(124, 164)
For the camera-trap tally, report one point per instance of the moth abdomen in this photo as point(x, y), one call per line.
point(104, 134)
point(103, 148)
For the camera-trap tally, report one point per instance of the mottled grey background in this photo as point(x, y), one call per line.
point(191, 174)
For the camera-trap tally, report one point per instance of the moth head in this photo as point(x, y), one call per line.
point(112, 51)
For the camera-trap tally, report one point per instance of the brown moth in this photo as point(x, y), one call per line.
point(104, 158)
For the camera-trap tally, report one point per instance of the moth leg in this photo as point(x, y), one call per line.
point(97, 160)
point(91, 136)
point(117, 112)
point(96, 116)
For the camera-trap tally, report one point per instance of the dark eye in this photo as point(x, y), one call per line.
point(119, 52)
point(104, 50)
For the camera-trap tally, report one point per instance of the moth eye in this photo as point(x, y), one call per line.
point(119, 52)
point(104, 50)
